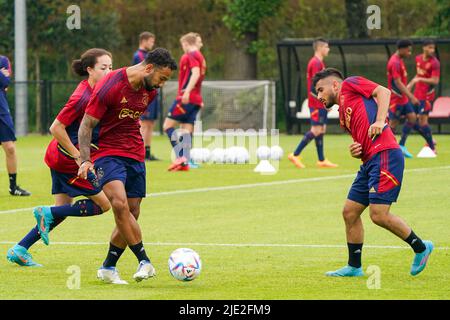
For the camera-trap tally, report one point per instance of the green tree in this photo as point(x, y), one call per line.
point(355, 16)
point(243, 19)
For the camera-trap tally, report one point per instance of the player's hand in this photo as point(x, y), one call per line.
point(415, 101)
point(5, 72)
point(355, 150)
point(85, 167)
point(185, 98)
point(78, 161)
point(376, 129)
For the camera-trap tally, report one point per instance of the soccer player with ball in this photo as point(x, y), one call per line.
point(116, 105)
point(378, 182)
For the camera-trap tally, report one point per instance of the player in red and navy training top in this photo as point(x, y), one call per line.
point(7, 132)
point(116, 105)
point(188, 102)
point(426, 79)
point(62, 157)
point(403, 102)
point(379, 179)
point(318, 113)
point(148, 118)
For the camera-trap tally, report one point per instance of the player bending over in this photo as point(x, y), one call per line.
point(188, 103)
point(378, 182)
point(63, 159)
point(116, 105)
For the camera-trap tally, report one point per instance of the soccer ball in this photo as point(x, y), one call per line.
point(276, 153)
point(230, 155)
point(242, 155)
point(218, 155)
point(263, 153)
point(185, 264)
point(196, 154)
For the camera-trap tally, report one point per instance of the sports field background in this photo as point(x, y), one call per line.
point(271, 241)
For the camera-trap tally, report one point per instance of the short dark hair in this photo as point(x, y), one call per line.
point(404, 43)
point(317, 41)
point(146, 35)
point(328, 72)
point(161, 57)
point(428, 42)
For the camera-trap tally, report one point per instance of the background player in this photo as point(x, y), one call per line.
point(427, 77)
point(148, 118)
point(188, 103)
point(318, 113)
point(379, 179)
point(399, 104)
point(7, 132)
point(63, 158)
point(117, 103)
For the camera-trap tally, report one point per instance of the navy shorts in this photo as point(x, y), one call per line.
point(379, 180)
point(71, 185)
point(152, 111)
point(425, 107)
point(319, 117)
point(183, 113)
point(131, 172)
point(399, 110)
point(7, 132)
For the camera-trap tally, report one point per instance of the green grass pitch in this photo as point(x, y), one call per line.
point(265, 241)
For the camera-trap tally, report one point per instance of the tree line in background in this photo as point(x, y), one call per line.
point(240, 36)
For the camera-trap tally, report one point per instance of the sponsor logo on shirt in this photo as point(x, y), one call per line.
point(128, 113)
point(348, 117)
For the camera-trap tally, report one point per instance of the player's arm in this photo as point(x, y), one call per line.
point(84, 140)
point(58, 130)
point(195, 75)
point(383, 96)
point(433, 80)
point(406, 91)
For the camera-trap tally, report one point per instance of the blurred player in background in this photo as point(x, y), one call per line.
point(148, 118)
point(63, 158)
point(426, 79)
point(116, 105)
point(318, 113)
point(188, 102)
point(7, 132)
point(378, 182)
point(400, 106)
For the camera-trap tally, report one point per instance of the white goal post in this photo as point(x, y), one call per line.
point(231, 104)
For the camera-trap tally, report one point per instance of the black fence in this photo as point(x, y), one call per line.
point(45, 99)
point(367, 58)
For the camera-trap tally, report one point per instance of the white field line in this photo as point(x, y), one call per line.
point(198, 244)
point(251, 185)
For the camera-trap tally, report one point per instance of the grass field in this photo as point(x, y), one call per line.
point(264, 241)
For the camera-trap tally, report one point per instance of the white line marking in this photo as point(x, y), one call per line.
point(250, 185)
point(181, 244)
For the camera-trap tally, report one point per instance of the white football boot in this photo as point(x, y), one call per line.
point(144, 271)
point(110, 275)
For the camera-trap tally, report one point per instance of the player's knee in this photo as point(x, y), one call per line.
point(349, 215)
point(119, 205)
point(10, 149)
point(377, 218)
